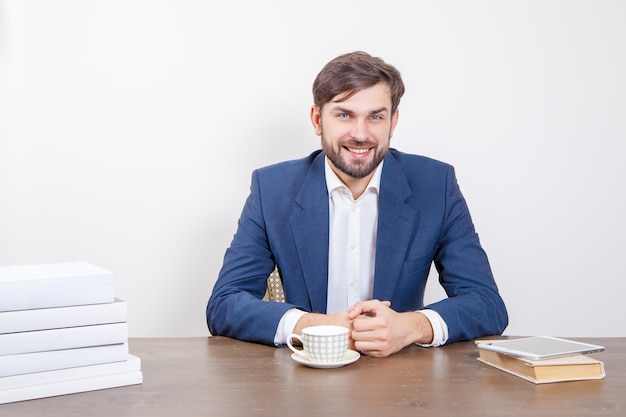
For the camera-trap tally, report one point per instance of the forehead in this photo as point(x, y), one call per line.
point(376, 97)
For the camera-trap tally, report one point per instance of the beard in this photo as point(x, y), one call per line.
point(355, 168)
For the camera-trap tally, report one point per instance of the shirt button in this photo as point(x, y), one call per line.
point(353, 284)
point(353, 246)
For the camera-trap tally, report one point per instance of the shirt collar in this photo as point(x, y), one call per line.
point(333, 182)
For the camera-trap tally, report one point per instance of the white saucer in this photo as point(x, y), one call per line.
point(350, 357)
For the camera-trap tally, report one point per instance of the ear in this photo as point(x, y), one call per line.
point(394, 122)
point(316, 119)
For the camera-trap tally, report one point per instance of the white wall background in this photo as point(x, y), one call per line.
point(129, 129)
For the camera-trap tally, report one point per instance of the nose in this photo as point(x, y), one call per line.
point(359, 130)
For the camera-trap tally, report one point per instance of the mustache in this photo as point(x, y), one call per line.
point(357, 143)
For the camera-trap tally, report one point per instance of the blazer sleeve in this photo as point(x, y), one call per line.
point(474, 307)
point(235, 308)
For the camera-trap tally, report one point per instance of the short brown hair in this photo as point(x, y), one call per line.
point(353, 72)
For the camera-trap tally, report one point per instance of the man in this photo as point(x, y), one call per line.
point(353, 230)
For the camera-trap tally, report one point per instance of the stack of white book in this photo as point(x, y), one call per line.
point(62, 331)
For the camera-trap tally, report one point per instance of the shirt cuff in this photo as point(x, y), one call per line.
point(286, 325)
point(440, 328)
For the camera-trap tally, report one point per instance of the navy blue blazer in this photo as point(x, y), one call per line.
point(423, 219)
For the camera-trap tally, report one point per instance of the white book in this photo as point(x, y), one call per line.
point(67, 338)
point(60, 317)
point(25, 287)
point(70, 381)
point(28, 363)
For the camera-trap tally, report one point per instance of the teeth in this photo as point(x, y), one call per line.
point(358, 150)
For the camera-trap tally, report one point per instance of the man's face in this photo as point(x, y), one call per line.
point(356, 132)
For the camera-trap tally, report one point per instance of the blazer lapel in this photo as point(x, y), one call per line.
point(396, 223)
point(310, 226)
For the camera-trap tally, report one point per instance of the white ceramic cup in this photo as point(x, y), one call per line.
point(322, 344)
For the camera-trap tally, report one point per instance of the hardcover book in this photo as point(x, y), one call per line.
point(70, 381)
point(67, 338)
point(51, 360)
point(568, 368)
point(60, 317)
point(25, 287)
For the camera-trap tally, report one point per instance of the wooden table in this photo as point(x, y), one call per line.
point(223, 377)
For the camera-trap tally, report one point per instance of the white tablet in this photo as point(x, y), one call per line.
point(539, 347)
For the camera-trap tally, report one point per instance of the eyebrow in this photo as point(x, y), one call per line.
point(348, 111)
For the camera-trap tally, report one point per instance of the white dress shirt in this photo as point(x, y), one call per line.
point(352, 254)
point(352, 243)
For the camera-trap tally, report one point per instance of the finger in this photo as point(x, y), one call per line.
point(364, 307)
point(375, 353)
point(370, 348)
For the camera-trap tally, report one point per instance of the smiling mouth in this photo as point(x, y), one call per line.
point(358, 151)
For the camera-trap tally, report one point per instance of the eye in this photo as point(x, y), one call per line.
point(343, 116)
point(377, 117)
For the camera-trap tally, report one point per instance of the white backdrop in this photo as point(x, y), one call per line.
point(129, 130)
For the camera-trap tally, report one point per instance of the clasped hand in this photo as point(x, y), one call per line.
point(375, 328)
point(378, 330)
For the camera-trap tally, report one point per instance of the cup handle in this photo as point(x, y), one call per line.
point(289, 343)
